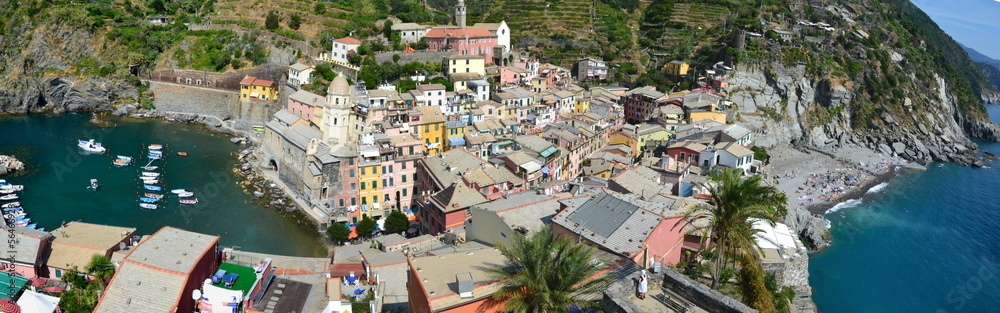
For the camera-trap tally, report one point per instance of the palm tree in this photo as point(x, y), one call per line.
point(545, 274)
point(737, 201)
point(101, 268)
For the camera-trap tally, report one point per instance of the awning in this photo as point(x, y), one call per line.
point(548, 152)
point(34, 302)
point(531, 117)
point(370, 154)
point(457, 141)
point(14, 283)
point(531, 167)
point(254, 94)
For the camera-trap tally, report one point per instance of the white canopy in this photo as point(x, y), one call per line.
point(33, 302)
point(338, 307)
point(217, 299)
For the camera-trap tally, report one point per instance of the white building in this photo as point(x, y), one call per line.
point(341, 47)
point(411, 32)
point(501, 30)
point(337, 117)
point(300, 74)
point(482, 89)
point(729, 154)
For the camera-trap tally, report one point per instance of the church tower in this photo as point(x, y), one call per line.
point(337, 113)
point(460, 14)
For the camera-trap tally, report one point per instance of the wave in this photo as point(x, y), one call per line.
point(877, 188)
point(843, 205)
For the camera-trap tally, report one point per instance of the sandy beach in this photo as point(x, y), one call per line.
point(816, 181)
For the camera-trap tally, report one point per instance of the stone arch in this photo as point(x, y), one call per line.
point(273, 164)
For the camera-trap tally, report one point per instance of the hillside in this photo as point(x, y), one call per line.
point(991, 72)
point(977, 57)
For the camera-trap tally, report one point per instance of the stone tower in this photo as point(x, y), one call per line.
point(460, 14)
point(337, 112)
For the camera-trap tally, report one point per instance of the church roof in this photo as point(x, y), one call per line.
point(339, 86)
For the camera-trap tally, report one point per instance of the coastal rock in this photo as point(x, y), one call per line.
point(978, 163)
point(898, 147)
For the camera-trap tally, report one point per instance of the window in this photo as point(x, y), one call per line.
point(375, 170)
point(404, 163)
point(390, 169)
point(354, 187)
point(466, 62)
point(383, 169)
point(364, 200)
point(411, 152)
point(362, 171)
point(374, 184)
point(362, 185)
point(404, 192)
point(350, 161)
point(375, 199)
point(437, 127)
point(404, 178)
point(342, 202)
point(466, 69)
point(503, 236)
point(352, 173)
point(354, 201)
point(384, 183)
point(392, 181)
point(414, 176)
point(427, 128)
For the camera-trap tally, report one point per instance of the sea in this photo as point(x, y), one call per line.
point(58, 175)
point(924, 242)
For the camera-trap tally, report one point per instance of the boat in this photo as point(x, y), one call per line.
point(150, 174)
point(120, 162)
point(154, 156)
point(9, 197)
point(148, 206)
point(152, 188)
point(148, 200)
point(94, 185)
point(11, 205)
point(32, 225)
point(22, 224)
point(91, 146)
point(182, 153)
point(155, 147)
point(178, 191)
point(150, 181)
point(155, 152)
point(185, 194)
point(14, 215)
point(7, 191)
point(153, 195)
point(12, 187)
point(150, 168)
point(189, 201)
point(126, 158)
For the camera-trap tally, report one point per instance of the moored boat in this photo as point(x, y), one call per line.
point(148, 206)
point(152, 188)
point(7, 191)
point(91, 146)
point(126, 158)
point(185, 194)
point(148, 200)
point(150, 168)
point(120, 162)
point(178, 191)
point(150, 174)
point(32, 225)
point(182, 153)
point(154, 196)
point(9, 197)
point(11, 205)
point(93, 184)
point(154, 156)
point(189, 201)
point(12, 187)
point(155, 147)
point(150, 181)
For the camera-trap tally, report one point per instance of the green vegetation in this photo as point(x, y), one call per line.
point(396, 222)
point(338, 232)
point(546, 274)
point(366, 227)
point(82, 296)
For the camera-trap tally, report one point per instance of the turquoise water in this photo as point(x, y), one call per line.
point(929, 242)
point(58, 175)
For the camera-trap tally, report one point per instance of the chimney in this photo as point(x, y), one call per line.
point(464, 285)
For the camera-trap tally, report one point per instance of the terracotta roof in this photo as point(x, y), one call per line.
point(459, 32)
point(349, 40)
point(250, 80)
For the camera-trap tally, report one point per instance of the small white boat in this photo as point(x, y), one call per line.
point(185, 194)
point(12, 187)
point(150, 168)
point(94, 185)
point(150, 174)
point(6, 191)
point(9, 197)
point(91, 146)
point(148, 206)
point(189, 201)
point(11, 205)
point(150, 181)
point(179, 191)
point(155, 147)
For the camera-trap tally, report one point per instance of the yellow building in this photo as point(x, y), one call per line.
point(465, 64)
point(455, 129)
point(676, 68)
point(581, 105)
point(255, 88)
point(370, 190)
point(427, 122)
point(712, 113)
point(539, 84)
point(623, 138)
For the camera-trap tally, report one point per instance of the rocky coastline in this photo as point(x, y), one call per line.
point(10, 164)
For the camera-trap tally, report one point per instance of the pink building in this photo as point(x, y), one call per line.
point(512, 75)
point(307, 105)
point(466, 41)
point(432, 94)
point(29, 257)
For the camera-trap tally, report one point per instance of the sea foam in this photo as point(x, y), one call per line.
point(877, 188)
point(843, 205)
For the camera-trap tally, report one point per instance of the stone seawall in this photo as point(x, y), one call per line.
point(422, 57)
point(208, 101)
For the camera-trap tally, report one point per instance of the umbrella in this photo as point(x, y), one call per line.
point(53, 289)
point(37, 282)
point(358, 291)
point(8, 306)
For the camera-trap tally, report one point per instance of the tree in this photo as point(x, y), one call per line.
point(319, 9)
point(736, 200)
point(354, 58)
point(101, 268)
point(396, 222)
point(754, 288)
point(294, 21)
point(271, 22)
point(338, 232)
point(366, 227)
point(545, 274)
point(395, 58)
point(387, 28)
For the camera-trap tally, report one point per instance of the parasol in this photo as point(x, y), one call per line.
point(7, 305)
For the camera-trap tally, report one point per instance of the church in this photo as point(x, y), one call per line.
point(490, 40)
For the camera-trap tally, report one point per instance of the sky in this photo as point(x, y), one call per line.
point(974, 23)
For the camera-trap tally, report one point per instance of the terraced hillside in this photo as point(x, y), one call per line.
point(541, 18)
point(252, 13)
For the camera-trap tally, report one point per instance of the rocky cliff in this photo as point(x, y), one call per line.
point(59, 68)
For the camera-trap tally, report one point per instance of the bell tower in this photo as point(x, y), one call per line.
point(460, 14)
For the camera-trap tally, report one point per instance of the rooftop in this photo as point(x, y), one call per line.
point(307, 97)
point(250, 80)
point(349, 40)
point(298, 66)
point(437, 274)
point(610, 222)
point(459, 32)
point(528, 209)
point(76, 242)
point(244, 282)
point(172, 249)
point(409, 26)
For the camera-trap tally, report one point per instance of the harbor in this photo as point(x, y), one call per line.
point(188, 182)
